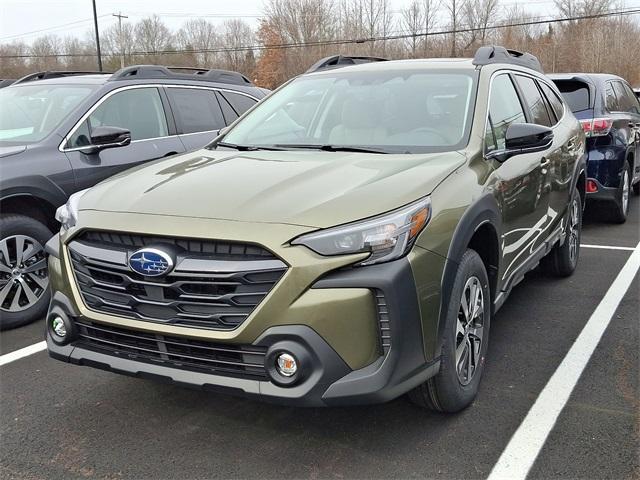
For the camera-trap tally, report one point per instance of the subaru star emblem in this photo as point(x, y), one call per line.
point(150, 262)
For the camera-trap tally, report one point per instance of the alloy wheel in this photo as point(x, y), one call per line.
point(469, 330)
point(24, 276)
point(625, 192)
point(574, 230)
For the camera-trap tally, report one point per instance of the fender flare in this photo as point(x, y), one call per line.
point(484, 210)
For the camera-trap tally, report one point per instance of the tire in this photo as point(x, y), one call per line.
point(620, 208)
point(30, 283)
point(562, 260)
point(450, 390)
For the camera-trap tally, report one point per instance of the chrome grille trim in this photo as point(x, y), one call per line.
point(202, 291)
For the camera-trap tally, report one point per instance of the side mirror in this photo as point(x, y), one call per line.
point(523, 138)
point(107, 137)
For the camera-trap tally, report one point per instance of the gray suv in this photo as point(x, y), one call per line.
point(61, 132)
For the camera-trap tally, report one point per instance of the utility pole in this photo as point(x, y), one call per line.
point(95, 24)
point(120, 39)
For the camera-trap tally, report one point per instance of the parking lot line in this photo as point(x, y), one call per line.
point(607, 247)
point(527, 441)
point(23, 352)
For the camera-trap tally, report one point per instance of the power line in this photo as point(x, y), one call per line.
point(352, 40)
point(57, 27)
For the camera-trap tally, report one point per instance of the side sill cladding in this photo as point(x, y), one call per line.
point(482, 211)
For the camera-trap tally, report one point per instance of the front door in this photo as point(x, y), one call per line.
point(520, 185)
point(139, 110)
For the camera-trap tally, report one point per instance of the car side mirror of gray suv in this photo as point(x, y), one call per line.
point(107, 137)
point(523, 138)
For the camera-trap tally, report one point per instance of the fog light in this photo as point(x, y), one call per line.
point(58, 327)
point(286, 364)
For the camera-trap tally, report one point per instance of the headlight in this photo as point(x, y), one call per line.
point(386, 237)
point(67, 214)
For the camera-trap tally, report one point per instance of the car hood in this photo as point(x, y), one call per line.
point(6, 151)
point(315, 189)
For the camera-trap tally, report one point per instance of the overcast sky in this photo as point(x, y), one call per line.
point(27, 19)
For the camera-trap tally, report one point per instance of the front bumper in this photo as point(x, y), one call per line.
point(327, 378)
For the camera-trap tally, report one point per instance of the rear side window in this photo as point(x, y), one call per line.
point(504, 109)
point(575, 93)
point(553, 99)
point(240, 103)
point(610, 98)
point(197, 110)
point(534, 101)
point(627, 101)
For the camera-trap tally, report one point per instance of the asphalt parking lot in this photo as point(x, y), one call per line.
point(64, 421)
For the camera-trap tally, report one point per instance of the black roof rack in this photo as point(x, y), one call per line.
point(337, 61)
point(55, 74)
point(6, 82)
point(496, 54)
point(180, 73)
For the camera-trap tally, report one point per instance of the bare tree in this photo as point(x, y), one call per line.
point(152, 35)
point(199, 35)
point(454, 9)
point(413, 22)
point(477, 16)
point(431, 10)
point(236, 37)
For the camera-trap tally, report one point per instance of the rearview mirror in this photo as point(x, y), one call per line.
point(107, 137)
point(523, 138)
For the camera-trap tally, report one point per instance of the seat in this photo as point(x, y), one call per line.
point(360, 124)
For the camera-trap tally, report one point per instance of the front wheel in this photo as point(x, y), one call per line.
point(24, 278)
point(465, 341)
point(563, 259)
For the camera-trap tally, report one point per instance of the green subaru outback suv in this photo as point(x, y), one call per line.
point(348, 240)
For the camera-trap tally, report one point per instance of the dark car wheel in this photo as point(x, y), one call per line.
point(24, 278)
point(465, 341)
point(563, 259)
point(620, 208)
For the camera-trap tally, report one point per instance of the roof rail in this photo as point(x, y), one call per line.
point(180, 73)
point(337, 61)
point(496, 54)
point(55, 74)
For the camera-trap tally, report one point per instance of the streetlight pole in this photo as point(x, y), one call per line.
point(95, 24)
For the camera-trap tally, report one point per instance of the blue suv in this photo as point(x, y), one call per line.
point(609, 113)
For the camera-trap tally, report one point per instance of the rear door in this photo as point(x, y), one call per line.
point(567, 139)
point(198, 115)
point(142, 111)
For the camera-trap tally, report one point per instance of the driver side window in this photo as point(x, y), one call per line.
point(139, 110)
point(504, 109)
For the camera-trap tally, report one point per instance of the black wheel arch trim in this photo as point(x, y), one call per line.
point(484, 210)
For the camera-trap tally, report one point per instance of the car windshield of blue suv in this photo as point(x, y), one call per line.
point(378, 111)
point(30, 113)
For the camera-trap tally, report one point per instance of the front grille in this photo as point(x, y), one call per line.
point(176, 352)
point(214, 285)
point(383, 321)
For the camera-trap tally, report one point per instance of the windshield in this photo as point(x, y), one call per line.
point(29, 113)
point(410, 111)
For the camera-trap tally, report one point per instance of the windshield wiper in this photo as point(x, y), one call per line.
point(246, 148)
point(333, 148)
